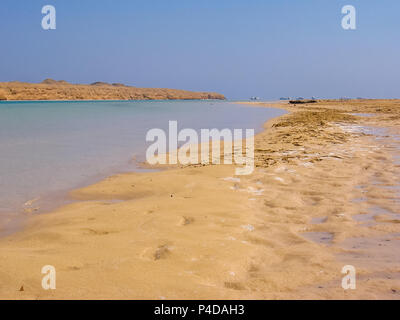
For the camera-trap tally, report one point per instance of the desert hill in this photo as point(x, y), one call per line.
point(50, 89)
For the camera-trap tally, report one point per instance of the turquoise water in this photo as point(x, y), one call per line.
point(47, 148)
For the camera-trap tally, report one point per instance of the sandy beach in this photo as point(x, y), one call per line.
point(324, 194)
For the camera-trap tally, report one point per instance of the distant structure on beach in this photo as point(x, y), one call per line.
point(302, 101)
point(255, 98)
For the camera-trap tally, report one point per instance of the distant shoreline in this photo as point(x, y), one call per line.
point(52, 90)
point(107, 100)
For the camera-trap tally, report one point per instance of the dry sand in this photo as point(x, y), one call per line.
point(324, 194)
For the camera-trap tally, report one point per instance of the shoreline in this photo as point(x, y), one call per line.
point(50, 202)
point(249, 230)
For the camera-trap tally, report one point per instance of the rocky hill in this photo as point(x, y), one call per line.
point(51, 89)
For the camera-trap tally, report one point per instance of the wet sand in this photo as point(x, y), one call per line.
point(324, 194)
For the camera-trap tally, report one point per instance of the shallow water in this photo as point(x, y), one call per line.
point(380, 252)
point(47, 148)
point(369, 115)
point(319, 237)
point(319, 220)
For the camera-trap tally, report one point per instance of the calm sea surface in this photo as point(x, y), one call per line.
point(47, 148)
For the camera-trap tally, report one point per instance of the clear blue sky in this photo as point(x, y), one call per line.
point(265, 48)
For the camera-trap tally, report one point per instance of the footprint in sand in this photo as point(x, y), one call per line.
point(73, 268)
point(186, 221)
point(97, 232)
point(234, 285)
point(162, 252)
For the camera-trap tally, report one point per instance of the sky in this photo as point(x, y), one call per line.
point(241, 48)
